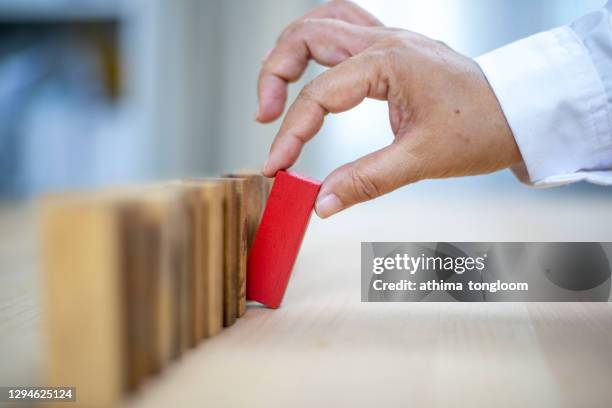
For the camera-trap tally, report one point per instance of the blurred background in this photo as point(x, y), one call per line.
point(96, 92)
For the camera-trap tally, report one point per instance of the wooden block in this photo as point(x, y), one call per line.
point(84, 321)
point(256, 191)
point(279, 237)
point(211, 256)
point(234, 247)
point(137, 297)
point(199, 274)
point(175, 247)
point(111, 289)
point(204, 270)
point(187, 277)
point(151, 244)
point(203, 280)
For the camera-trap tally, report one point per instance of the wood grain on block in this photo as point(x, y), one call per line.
point(192, 306)
point(139, 349)
point(242, 248)
point(199, 272)
point(160, 214)
point(84, 322)
point(174, 247)
point(256, 190)
point(234, 248)
point(211, 254)
point(147, 291)
point(187, 277)
point(279, 237)
point(204, 269)
point(208, 241)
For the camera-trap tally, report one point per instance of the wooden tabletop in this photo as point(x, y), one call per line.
point(324, 347)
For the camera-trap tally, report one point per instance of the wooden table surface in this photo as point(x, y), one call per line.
point(326, 348)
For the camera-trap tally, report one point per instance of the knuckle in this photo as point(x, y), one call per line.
point(298, 28)
point(374, 55)
point(375, 58)
point(395, 40)
point(309, 23)
point(394, 45)
point(401, 50)
point(289, 30)
point(308, 92)
point(267, 67)
point(362, 184)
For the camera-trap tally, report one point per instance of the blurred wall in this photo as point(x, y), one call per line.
point(207, 57)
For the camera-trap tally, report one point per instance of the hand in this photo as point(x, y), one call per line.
point(445, 117)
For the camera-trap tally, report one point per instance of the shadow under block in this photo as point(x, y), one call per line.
point(279, 237)
point(83, 300)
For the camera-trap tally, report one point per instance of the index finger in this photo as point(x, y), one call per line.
point(327, 41)
point(336, 90)
point(272, 89)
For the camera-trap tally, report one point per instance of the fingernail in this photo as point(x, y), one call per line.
point(328, 205)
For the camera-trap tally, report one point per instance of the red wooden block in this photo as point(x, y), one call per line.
point(279, 237)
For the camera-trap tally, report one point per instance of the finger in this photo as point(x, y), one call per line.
point(272, 89)
point(346, 11)
point(367, 178)
point(327, 41)
point(272, 97)
point(336, 90)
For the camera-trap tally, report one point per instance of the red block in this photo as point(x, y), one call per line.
point(279, 237)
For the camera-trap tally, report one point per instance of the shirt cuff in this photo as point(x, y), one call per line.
point(556, 106)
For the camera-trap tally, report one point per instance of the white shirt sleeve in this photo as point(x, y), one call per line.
point(555, 89)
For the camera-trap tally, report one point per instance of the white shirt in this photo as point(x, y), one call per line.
point(555, 89)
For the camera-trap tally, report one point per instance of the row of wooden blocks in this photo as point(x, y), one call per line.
point(135, 277)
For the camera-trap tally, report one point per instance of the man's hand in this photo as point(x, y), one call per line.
point(445, 117)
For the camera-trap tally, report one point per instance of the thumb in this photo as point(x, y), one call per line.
point(369, 177)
